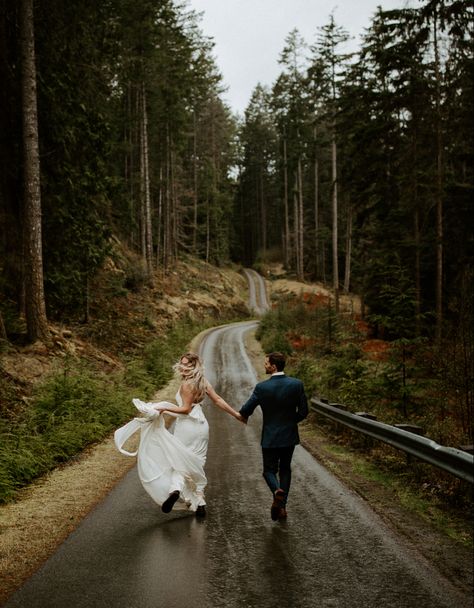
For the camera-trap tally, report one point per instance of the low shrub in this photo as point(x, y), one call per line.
point(77, 406)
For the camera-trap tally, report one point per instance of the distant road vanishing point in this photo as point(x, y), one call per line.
point(258, 301)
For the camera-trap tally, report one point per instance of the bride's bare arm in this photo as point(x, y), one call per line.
point(220, 402)
point(187, 396)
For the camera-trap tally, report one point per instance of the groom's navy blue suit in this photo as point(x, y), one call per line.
point(283, 403)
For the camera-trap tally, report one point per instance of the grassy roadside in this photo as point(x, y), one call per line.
point(439, 532)
point(78, 405)
point(366, 473)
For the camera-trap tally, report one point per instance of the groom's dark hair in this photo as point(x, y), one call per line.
point(278, 360)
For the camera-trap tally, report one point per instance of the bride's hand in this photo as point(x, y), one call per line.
point(241, 418)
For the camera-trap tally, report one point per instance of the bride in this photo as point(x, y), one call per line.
point(171, 460)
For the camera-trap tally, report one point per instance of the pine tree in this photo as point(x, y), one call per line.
point(333, 63)
point(290, 103)
point(258, 139)
point(35, 308)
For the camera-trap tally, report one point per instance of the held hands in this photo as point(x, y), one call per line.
point(240, 418)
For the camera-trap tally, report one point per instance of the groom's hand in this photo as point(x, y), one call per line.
point(241, 418)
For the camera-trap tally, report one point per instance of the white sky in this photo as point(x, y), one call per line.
point(249, 35)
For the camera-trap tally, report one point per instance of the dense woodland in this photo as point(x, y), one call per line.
point(352, 169)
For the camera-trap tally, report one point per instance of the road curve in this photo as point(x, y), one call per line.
point(332, 552)
point(258, 301)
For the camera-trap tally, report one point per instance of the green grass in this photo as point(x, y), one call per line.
point(78, 406)
point(408, 493)
point(72, 409)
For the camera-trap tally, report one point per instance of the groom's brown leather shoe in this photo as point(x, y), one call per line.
point(169, 502)
point(277, 505)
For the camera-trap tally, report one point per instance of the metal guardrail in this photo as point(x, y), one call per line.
point(454, 461)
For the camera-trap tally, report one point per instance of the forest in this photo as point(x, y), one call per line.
point(353, 170)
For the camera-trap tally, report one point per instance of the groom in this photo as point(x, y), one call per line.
point(283, 403)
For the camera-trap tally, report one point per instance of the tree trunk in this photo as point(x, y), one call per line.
point(167, 205)
point(347, 269)
point(417, 272)
point(285, 204)
point(159, 220)
point(416, 225)
point(35, 309)
point(323, 262)
point(195, 184)
point(3, 332)
point(316, 210)
point(146, 228)
point(142, 180)
point(296, 224)
point(208, 230)
point(148, 220)
point(300, 230)
point(439, 190)
point(129, 158)
point(173, 210)
point(263, 214)
point(335, 266)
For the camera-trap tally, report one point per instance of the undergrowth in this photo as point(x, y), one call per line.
point(398, 383)
point(78, 406)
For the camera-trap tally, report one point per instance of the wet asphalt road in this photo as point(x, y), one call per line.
point(258, 301)
point(332, 552)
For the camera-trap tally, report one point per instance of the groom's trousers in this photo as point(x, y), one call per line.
point(277, 468)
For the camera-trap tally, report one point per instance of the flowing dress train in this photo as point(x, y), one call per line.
point(171, 458)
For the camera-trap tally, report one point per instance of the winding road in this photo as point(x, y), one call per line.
point(258, 301)
point(332, 552)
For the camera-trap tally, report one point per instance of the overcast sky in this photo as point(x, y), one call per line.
point(249, 35)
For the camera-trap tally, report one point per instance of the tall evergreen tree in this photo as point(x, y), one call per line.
point(35, 308)
point(257, 138)
point(290, 104)
point(328, 55)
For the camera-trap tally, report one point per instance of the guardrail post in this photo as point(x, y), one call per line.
point(411, 428)
point(324, 421)
point(368, 442)
point(340, 428)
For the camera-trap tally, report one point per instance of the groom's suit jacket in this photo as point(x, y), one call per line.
point(283, 403)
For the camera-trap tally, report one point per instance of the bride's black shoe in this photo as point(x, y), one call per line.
point(169, 502)
point(201, 511)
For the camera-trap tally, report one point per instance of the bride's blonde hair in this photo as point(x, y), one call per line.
point(192, 373)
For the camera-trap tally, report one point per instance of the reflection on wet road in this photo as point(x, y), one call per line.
point(332, 551)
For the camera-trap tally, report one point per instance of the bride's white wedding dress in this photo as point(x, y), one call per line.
point(169, 458)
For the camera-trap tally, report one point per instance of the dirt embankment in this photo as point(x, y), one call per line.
point(121, 323)
point(347, 302)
